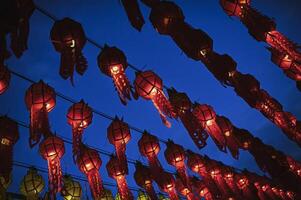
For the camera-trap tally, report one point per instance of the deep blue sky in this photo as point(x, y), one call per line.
point(105, 22)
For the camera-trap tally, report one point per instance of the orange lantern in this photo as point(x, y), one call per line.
point(40, 99)
point(79, 117)
point(68, 38)
point(149, 86)
point(118, 172)
point(119, 135)
point(167, 184)
point(52, 149)
point(89, 162)
point(112, 62)
point(9, 135)
point(4, 78)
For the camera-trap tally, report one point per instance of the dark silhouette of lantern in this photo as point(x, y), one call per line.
point(183, 107)
point(32, 185)
point(4, 78)
point(112, 62)
point(133, 13)
point(118, 172)
point(79, 117)
point(9, 135)
point(106, 195)
point(165, 16)
point(144, 179)
point(89, 162)
point(52, 149)
point(119, 135)
point(71, 189)
point(40, 99)
point(167, 184)
point(149, 86)
point(207, 118)
point(68, 38)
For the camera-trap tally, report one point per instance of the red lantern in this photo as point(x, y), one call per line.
point(234, 7)
point(133, 12)
point(144, 179)
point(52, 149)
point(201, 189)
point(184, 190)
point(112, 62)
point(182, 105)
point(89, 162)
point(207, 117)
point(149, 86)
point(167, 184)
point(119, 135)
point(68, 38)
point(79, 117)
point(4, 78)
point(118, 172)
point(244, 138)
point(245, 186)
point(229, 176)
point(9, 135)
point(40, 99)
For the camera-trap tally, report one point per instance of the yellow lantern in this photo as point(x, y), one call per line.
point(107, 195)
point(142, 196)
point(162, 197)
point(117, 197)
point(4, 184)
point(71, 190)
point(32, 184)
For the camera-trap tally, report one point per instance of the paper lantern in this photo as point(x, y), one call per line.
point(106, 195)
point(52, 149)
point(113, 63)
point(247, 189)
point(201, 189)
point(89, 162)
point(118, 172)
point(143, 196)
point(71, 189)
point(4, 78)
point(4, 184)
point(32, 185)
point(150, 87)
point(184, 190)
point(167, 184)
point(229, 176)
point(40, 99)
point(183, 106)
point(165, 16)
point(68, 38)
point(119, 135)
point(9, 135)
point(79, 117)
point(234, 7)
point(133, 13)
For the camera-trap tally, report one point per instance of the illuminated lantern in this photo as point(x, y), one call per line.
point(119, 135)
point(234, 7)
point(244, 138)
point(175, 156)
point(226, 128)
point(112, 62)
point(143, 196)
point(71, 189)
point(68, 38)
point(52, 149)
point(40, 99)
point(79, 117)
point(184, 190)
point(149, 86)
point(4, 78)
point(149, 147)
point(106, 195)
point(207, 118)
point(89, 162)
point(118, 172)
point(167, 184)
point(182, 105)
point(165, 16)
point(32, 185)
point(133, 13)
point(9, 135)
point(201, 189)
point(229, 177)
point(144, 179)
point(248, 190)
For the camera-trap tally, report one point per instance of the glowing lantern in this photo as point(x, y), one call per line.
point(106, 195)
point(184, 190)
point(68, 38)
point(89, 162)
point(201, 189)
point(40, 99)
point(144, 179)
point(32, 185)
point(118, 172)
point(244, 138)
point(4, 78)
point(165, 16)
point(119, 135)
point(9, 135)
point(234, 7)
point(112, 62)
point(182, 105)
point(243, 184)
point(52, 149)
point(228, 175)
point(149, 86)
point(207, 118)
point(133, 13)
point(143, 196)
point(71, 189)
point(167, 184)
point(79, 117)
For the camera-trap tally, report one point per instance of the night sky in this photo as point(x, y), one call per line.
point(105, 22)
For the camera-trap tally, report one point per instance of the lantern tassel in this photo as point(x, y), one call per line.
point(19, 38)
point(123, 86)
point(216, 134)
point(6, 154)
point(4, 53)
point(134, 14)
point(155, 167)
point(81, 63)
point(76, 141)
point(120, 153)
point(123, 189)
point(95, 183)
point(54, 175)
point(67, 64)
point(184, 177)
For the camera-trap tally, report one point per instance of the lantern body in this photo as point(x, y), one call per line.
point(184, 190)
point(32, 184)
point(167, 184)
point(71, 190)
point(234, 8)
point(106, 195)
point(4, 78)
point(165, 16)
